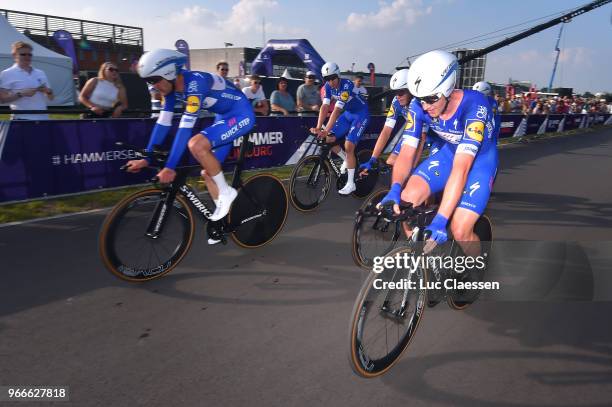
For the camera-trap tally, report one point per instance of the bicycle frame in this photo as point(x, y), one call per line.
point(158, 218)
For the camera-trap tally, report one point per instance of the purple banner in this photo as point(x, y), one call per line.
point(572, 121)
point(65, 41)
point(509, 124)
point(534, 122)
point(554, 120)
point(262, 64)
point(183, 47)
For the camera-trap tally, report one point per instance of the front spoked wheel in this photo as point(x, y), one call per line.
point(372, 234)
point(385, 317)
point(310, 183)
point(259, 211)
point(127, 247)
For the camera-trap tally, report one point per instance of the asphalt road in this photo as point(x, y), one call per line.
point(268, 327)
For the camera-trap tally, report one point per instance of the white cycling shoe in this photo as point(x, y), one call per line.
point(225, 203)
point(348, 188)
point(343, 167)
point(214, 241)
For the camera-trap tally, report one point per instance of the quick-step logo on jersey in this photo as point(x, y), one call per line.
point(474, 130)
point(192, 104)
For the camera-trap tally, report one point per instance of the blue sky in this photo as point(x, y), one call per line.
point(383, 32)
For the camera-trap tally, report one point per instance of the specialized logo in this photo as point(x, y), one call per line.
point(474, 187)
point(409, 120)
point(433, 164)
point(455, 123)
point(344, 96)
point(192, 104)
point(418, 83)
point(192, 87)
point(475, 130)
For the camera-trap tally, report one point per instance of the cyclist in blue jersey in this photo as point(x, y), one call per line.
point(348, 120)
point(163, 69)
point(484, 88)
point(465, 165)
point(399, 108)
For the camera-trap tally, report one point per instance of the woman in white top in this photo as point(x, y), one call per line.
point(104, 95)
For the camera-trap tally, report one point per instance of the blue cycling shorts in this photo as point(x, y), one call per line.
point(226, 128)
point(436, 169)
point(351, 126)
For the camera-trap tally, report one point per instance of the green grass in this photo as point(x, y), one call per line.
point(104, 199)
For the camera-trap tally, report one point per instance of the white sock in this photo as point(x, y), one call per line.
point(341, 154)
point(221, 183)
point(351, 174)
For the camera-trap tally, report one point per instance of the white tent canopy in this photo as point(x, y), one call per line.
point(58, 67)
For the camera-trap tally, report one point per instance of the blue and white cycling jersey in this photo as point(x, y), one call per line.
point(396, 110)
point(346, 98)
point(203, 90)
point(466, 131)
point(471, 130)
point(496, 116)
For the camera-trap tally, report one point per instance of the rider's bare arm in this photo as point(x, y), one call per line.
point(322, 115)
point(403, 164)
point(381, 142)
point(455, 184)
point(333, 118)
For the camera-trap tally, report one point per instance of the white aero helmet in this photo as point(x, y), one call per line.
point(482, 87)
point(399, 80)
point(433, 73)
point(329, 69)
point(161, 62)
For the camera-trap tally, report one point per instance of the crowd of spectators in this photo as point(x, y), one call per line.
point(27, 88)
point(531, 103)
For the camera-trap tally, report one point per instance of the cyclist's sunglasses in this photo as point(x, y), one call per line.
point(402, 92)
point(430, 100)
point(153, 80)
point(330, 78)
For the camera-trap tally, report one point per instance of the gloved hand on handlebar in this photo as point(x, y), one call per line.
point(438, 229)
point(393, 195)
point(368, 165)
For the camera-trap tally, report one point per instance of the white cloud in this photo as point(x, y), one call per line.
point(193, 15)
point(578, 57)
point(246, 15)
point(388, 15)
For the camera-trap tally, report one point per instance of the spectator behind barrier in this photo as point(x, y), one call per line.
point(308, 97)
point(238, 83)
point(359, 88)
point(256, 95)
point(281, 100)
point(25, 87)
point(105, 94)
point(222, 68)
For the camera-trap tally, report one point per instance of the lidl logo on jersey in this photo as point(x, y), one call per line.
point(344, 96)
point(192, 104)
point(391, 112)
point(475, 130)
point(409, 120)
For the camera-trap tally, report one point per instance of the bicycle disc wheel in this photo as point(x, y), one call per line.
point(310, 183)
point(129, 253)
point(365, 184)
point(372, 235)
point(461, 299)
point(385, 319)
point(262, 219)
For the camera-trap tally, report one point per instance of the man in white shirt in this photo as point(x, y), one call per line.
point(256, 95)
point(359, 88)
point(24, 87)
